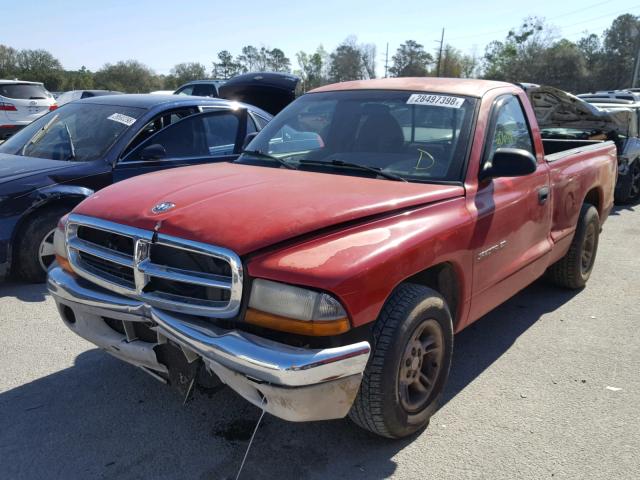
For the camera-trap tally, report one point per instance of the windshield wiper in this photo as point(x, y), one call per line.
point(261, 154)
point(72, 155)
point(342, 163)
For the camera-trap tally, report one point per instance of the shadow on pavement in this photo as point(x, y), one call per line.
point(102, 418)
point(486, 340)
point(27, 292)
point(631, 207)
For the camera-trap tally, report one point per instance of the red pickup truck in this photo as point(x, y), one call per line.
point(325, 271)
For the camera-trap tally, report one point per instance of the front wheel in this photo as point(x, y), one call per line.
point(35, 244)
point(409, 364)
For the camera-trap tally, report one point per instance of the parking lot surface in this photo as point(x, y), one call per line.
point(545, 386)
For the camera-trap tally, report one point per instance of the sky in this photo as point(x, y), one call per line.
point(161, 34)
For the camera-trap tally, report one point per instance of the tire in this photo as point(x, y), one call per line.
point(574, 269)
point(381, 404)
point(628, 187)
point(39, 226)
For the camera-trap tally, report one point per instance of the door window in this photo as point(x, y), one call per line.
point(511, 129)
point(205, 90)
point(158, 123)
point(207, 134)
point(188, 90)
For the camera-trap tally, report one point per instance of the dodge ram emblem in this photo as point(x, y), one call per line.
point(163, 207)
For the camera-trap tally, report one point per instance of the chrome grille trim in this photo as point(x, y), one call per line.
point(144, 270)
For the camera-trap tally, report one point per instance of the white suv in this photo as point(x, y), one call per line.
point(21, 103)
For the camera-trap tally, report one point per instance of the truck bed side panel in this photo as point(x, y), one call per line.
point(576, 173)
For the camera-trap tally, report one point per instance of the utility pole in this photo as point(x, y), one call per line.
point(636, 67)
point(440, 54)
point(386, 61)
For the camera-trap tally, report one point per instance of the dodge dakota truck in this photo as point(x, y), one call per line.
point(325, 271)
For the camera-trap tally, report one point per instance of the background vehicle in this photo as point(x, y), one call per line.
point(609, 96)
point(53, 164)
point(73, 95)
point(200, 88)
point(247, 87)
point(326, 270)
point(612, 115)
point(21, 103)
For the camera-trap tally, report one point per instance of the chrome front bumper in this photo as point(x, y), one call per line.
point(295, 384)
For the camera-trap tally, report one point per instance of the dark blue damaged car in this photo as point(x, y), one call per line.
point(60, 159)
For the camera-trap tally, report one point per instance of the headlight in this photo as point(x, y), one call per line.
point(293, 309)
point(59, 244)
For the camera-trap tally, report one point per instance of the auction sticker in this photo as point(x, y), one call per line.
point(435, 100)
point(121, 118)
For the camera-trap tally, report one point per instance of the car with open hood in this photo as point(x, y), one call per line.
point(612, 115)
point(325, 271)
point(67, 155)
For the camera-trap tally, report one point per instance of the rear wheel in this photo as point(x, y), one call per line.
point(409, 364)
point(35, 244)
point(574, 269)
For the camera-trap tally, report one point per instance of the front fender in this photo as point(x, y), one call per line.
point(26, 206)
point(362, 264)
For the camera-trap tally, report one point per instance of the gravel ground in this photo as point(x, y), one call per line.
point(547, 385)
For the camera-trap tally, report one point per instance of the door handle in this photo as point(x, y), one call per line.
point(543, 195)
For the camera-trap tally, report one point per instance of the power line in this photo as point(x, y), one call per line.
point(483, 34)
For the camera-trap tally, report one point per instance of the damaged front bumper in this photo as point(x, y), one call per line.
point(296, 384)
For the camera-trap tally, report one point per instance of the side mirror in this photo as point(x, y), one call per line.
point(509, 162)
point(153, 152)
point(247, 139)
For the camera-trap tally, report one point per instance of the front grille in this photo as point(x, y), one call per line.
point(163, 271)
point(112, 271)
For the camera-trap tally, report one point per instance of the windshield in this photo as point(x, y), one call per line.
point(416, 136)
point(24, 91)
point(76, 132)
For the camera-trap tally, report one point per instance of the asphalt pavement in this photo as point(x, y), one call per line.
point(545, 386)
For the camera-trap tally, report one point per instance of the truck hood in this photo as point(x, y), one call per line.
point(16, 167)
point(245, 208)
point(558, 109)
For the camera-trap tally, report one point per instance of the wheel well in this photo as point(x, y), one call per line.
point(443, 279)
point(593, 197)
point(67, 202)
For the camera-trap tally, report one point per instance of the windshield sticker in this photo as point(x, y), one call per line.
point(120, 118)
point(435, 100)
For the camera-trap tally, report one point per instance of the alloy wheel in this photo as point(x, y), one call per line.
point(420, 366)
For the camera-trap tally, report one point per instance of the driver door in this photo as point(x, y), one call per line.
point(212, 136)
point(512, 234)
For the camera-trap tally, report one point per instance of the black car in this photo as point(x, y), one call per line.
point(65, 156)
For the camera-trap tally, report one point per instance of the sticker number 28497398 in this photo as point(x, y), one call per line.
point(435, 100)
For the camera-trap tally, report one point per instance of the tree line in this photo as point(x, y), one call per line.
point(531, 52)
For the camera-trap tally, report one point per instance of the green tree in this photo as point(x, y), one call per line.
point(78, 79)
point(225, 67)
point(410, 60)
point(620, 47)
point(591, 50)
point(128, 76)
point(249, 59)
point(8, 62)
point(563, 66)
point(312, 68)
point(277, 61)
point(186, 72)
point(519, 58)
point(349, 62)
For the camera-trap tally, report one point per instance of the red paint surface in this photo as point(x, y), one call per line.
point(247, 208)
